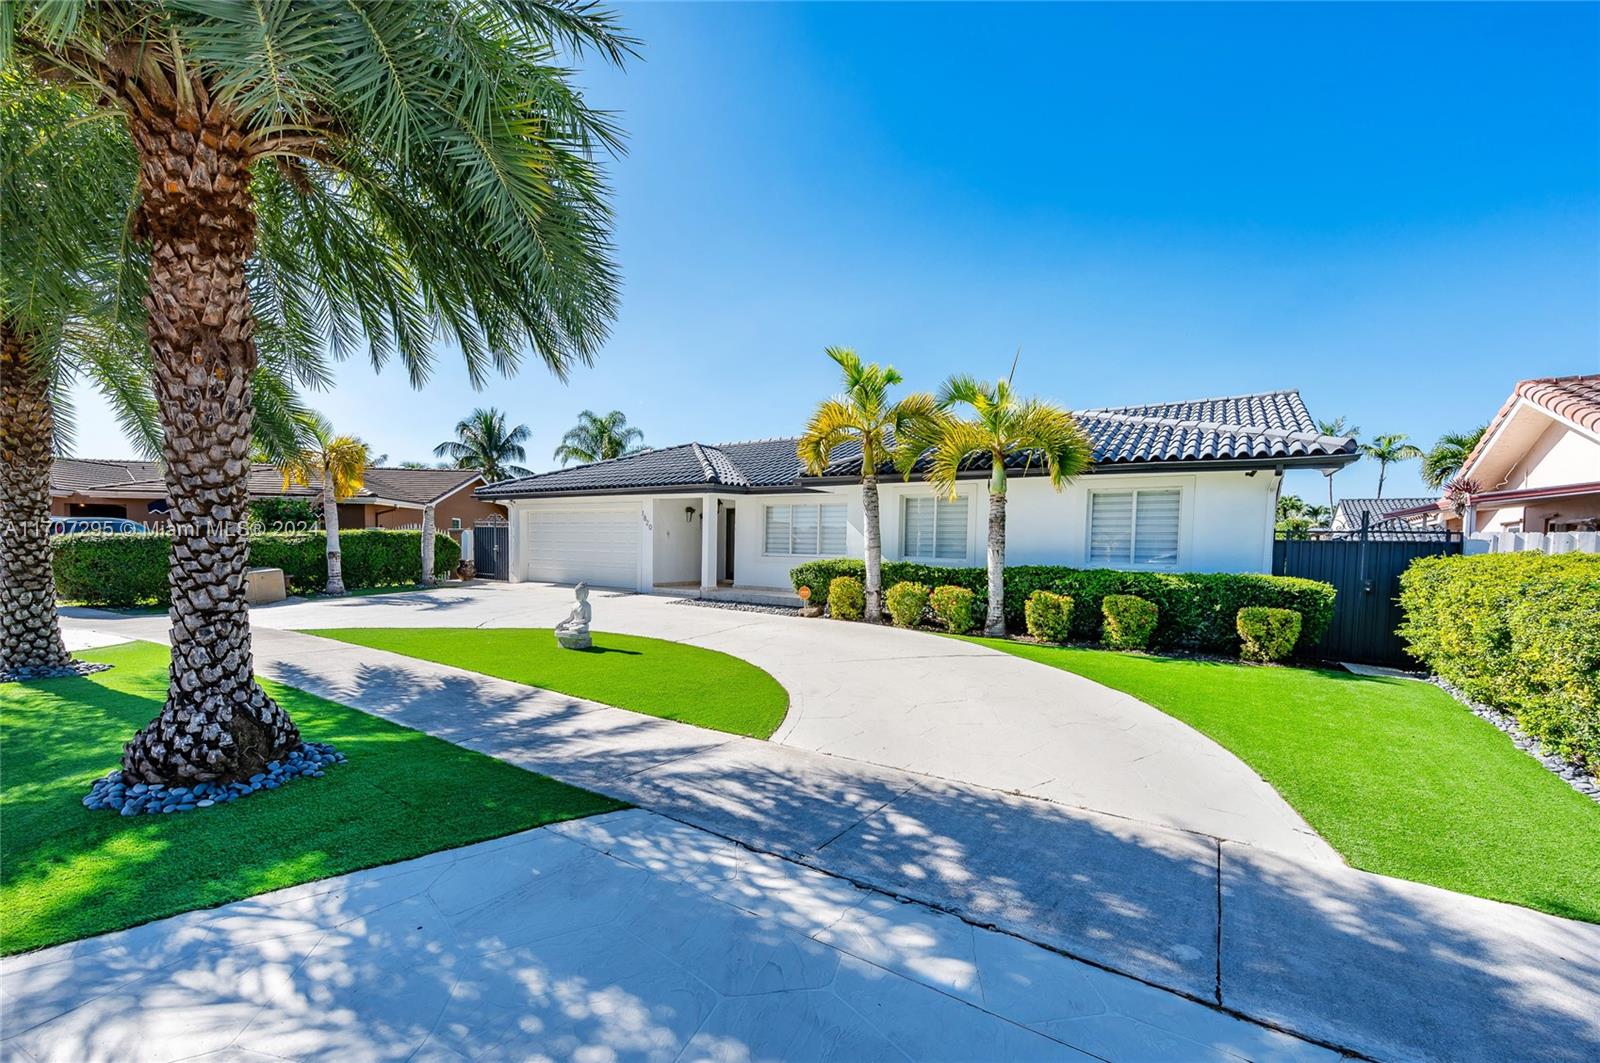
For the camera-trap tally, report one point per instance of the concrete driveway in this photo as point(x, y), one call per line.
point(913, 701)
point(1373, 966)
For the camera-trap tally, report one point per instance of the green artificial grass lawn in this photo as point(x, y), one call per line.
point(67, 872)
point(652, 676)
point(1397, 776)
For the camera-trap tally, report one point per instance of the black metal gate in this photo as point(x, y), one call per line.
point(1365, 569)
point(491, 549)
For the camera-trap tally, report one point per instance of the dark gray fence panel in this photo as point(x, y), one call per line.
point(1366, 574)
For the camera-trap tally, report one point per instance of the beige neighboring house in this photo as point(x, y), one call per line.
point(1537, 468)
point(390, 498)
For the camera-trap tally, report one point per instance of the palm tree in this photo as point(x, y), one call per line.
point(1339, 426)
point(1448, 455)
point(444, 139)
point(1388, 449)
point(483, 442)
point(70, 308)
point(1002, 424)
point(596, 438)
point(865, 416)
point(334, 463)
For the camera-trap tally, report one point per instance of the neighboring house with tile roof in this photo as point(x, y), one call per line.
point(1380, 514)
point(1537, 467)
point(1174, 486)
point(389, 498)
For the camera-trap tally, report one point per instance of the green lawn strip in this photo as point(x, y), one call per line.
point(1398, 777)
point(652, 676)
point(68, 873)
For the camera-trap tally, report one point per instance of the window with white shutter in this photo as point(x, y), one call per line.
point(1134, 528)
point(804, 530)
point(934, 529)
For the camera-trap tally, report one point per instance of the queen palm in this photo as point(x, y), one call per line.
point(1001, 426)
point(864, 415)
point(1339, 426)
point(336, 464)
point(483, 442)
point(1446, 457)
point(1388, 449)
point(445, 135)
point(597, 438)
point(70, 286)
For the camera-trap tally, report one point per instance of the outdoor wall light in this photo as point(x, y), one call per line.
point(688, 514)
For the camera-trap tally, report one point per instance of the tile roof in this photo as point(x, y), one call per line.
point(1348, 512)
point(1265, 427)
point(1261, 428)
point(414, 486)
point(79, 475)
point(420, 486)
point(730, 466)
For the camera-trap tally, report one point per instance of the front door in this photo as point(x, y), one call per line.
point(727, 547)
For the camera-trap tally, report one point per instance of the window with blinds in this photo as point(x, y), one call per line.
point(934, 529)
point(805, 530)
point(1134, 528)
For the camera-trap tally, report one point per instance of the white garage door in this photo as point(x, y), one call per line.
point(598, 546)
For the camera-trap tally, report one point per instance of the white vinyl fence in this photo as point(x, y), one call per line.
point(1535, 542)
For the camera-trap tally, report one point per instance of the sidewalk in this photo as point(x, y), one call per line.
point(625, 936)
point(1377, 966)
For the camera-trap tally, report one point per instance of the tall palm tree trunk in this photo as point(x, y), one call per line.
point(428, 525)
point(995, 622)
point(871, 527)
point(330, 522)
point(30, 634)
point(1383, 470)
point(195, 210)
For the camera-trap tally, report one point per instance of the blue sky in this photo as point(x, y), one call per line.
point(1393, 208)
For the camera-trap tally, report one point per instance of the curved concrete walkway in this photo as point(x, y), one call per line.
point(912, 701)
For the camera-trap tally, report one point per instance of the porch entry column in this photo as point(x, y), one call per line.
point(708, 542)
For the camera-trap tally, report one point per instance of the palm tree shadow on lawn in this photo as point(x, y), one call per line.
point(67, 871)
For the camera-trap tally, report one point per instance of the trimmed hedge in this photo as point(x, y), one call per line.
point(1049, 616)
point(1198, 610)
point(846, 598)
point(1267, 634)
point(1130, 621)
point(1517, 631)
point(114, 570)
point(906, 603)
point(956, 608)
point(124, 570)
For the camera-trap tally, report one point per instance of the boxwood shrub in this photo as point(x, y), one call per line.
point(1267, 634)
point(1517, 631)
point(956, 608)
point(906, 603)
point(124, 570)
point(1049, 616)
point(1130, 621)
point(847, 598)
point(1197, 610)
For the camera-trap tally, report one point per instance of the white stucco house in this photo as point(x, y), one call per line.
point(1181, 486)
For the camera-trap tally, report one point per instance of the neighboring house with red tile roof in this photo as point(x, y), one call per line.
point(1537, 468)
point(1174, 486)
point(389, 498)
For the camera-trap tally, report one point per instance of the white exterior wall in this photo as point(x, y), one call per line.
point(1225, 525)
point(1560, 456)
point(752, 566)
point(675, 542)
